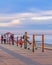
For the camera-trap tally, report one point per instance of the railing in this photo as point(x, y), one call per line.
point(20, 41)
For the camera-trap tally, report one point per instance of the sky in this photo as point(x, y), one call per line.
point(33, 16)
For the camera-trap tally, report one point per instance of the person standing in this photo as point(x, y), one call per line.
point(4, 39)
point(1, 39)
point(12, 37)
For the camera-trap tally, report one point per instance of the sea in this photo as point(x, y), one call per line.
point(47, 38)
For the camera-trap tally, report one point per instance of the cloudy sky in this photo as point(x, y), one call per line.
point(26, 15)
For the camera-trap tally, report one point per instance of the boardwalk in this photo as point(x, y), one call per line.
point(13, 55)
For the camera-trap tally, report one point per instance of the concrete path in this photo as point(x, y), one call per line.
point(13, 55)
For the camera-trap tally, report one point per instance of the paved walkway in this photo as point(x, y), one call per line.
point(13, 55)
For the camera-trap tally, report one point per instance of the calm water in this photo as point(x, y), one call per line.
point(47, 38)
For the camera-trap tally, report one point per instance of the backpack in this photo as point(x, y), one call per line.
point(23, 36)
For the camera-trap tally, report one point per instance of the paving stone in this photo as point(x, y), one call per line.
point(37, 57)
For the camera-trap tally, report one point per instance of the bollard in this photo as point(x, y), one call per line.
point(42, 42)
point(17, 40)
point(12, 39)
point(33, 42)
point(25, 40)
point(7, 39)
point(21, 41)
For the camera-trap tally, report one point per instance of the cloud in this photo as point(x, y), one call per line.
point(47, 12)
point(13, 22)
point(41, 17)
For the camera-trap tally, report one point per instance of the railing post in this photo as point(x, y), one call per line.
point(7, 38)
point(25, 40)
point(17, 40)
point(42, 42)
point(33, 41)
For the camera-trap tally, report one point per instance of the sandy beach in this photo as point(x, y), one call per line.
point(46, 46)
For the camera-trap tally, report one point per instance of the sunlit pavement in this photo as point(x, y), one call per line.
point(13, 55)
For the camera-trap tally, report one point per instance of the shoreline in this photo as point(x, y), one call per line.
point(46, 46)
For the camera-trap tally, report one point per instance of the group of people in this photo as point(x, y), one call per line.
point(8, 39)
point(4, 39)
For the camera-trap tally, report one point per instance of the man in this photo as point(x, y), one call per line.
point(4, 39)
point(1, 39)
